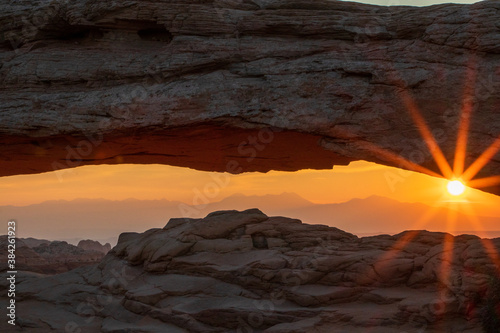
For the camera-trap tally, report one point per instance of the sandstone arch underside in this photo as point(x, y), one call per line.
point(244, 85)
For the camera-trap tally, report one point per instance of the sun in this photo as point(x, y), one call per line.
point(455, 187)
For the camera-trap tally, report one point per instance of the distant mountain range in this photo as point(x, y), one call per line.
point(375, 215)
point(103, 220)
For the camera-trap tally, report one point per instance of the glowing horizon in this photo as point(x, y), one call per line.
point(152, 182)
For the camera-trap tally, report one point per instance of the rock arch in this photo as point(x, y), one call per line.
point(244, 85)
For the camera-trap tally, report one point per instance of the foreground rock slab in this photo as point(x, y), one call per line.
point(247, 272)
point(244, 85)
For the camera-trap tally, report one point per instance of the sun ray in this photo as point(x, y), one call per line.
point(484, 182)
point(398, 159)
point(482, 160)
point(463, 127)
point(444, 274)
point(404, 240)
point(424, 130)
point(426, 134)
point(492, 252)
point(488, 245)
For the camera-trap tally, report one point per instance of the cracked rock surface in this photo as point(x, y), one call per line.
point(246, 272)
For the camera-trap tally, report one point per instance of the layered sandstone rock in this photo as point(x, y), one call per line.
point(243, 85)
point(246, 272)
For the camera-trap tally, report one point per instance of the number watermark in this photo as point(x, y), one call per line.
point(11, 273)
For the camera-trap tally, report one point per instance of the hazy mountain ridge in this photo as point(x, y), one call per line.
point(104, 220)
point(375, 215)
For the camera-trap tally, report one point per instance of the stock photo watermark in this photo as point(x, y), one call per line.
point(11, 272)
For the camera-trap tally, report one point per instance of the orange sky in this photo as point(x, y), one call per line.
point(117, 182)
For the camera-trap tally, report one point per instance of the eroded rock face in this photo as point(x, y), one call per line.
point(243, 85)
point(91, 245)
point(46, 257)
point(246, 272)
